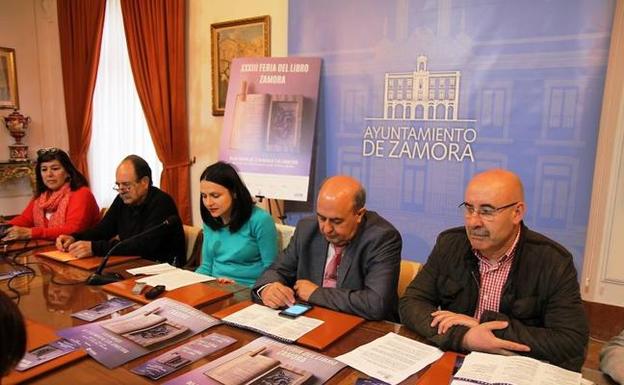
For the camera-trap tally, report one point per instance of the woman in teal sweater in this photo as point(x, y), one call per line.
point(240, 240)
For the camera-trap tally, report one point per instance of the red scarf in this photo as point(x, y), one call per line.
point(52, 202)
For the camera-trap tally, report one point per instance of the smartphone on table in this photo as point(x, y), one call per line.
point(295, 310)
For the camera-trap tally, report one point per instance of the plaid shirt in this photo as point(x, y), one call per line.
point(493, 278)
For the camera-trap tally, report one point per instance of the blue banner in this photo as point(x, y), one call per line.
point(418, 96)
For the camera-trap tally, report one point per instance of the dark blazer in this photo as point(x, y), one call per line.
point(367, 276)
point(540, 300)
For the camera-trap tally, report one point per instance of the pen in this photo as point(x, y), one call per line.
point(154, 310)
point(257, 351)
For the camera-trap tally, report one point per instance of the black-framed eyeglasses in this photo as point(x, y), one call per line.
point(124, 186)
point(486, 212)
point(48, 150)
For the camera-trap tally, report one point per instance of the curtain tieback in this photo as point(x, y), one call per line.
point(180, 164)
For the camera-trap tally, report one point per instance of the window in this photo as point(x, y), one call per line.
point(563, 105)
point(119, 127)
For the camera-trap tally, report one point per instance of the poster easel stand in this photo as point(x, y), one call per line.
point(270, 202)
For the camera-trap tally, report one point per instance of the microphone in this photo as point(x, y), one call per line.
point(99, 278)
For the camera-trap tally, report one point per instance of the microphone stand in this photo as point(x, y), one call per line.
point(99, 278)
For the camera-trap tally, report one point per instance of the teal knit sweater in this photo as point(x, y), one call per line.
point(243, 255)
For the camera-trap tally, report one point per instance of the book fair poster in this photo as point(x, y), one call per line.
point(269, 123)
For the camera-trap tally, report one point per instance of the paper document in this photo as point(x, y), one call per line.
point(267, 320)
point(175, 279)
point(58, 255)
point(484, 368)
point(152, 270)
point(391, 358)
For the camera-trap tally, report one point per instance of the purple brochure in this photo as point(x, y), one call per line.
point(46, 353)
point(183, 355)
point(17, 270)
point(103, 309)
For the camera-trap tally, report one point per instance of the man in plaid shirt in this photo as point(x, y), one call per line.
point(495, 286)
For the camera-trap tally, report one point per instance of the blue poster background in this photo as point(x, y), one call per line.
point(418, 96)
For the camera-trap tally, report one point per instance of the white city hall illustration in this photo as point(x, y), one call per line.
point(421, 94)
point(420, 118)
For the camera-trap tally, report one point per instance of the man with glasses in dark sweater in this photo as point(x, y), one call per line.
point(138, 207)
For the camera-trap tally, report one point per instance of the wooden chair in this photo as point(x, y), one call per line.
point(409, 269)
point(284, 233)
point(193, 239)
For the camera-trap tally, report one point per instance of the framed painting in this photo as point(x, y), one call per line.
point(8, 79)
point(231, 39)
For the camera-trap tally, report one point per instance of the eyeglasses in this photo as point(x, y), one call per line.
point(486, 212)
point(48, 150)
point(124, 186)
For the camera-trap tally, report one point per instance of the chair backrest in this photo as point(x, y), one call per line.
point(409, 269)
point(284, 233)
point(193, 238)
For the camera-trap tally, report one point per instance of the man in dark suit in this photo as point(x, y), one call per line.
point(346, 259)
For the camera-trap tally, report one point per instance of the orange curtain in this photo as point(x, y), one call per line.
point(80, 32)
point(155, 36)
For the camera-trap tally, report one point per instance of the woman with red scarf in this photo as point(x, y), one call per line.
point(63, 202)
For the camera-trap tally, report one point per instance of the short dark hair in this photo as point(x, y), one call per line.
point(141, 168)
point(76, 179)
point(225, 174)
point(359, 200)
point(12, 334)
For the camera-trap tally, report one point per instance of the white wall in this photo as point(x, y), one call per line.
point(205, 129)
point(30, 27)
point(603, 270)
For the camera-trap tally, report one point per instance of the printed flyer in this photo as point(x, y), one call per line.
point(103, 309)
point(183, 355)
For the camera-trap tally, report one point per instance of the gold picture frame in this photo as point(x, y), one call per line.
point(231, 39)
point(8, 79)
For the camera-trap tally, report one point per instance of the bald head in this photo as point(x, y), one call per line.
point(340, 208)
point(494, 208)
point(499, 182)
point(344, 188)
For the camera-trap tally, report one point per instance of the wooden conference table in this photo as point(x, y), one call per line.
point(57, 291)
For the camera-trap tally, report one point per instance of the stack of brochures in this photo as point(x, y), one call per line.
point(118, 340)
